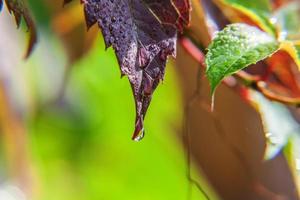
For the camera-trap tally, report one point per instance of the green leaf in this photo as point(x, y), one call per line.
point(257, 10)
point(234, 48)
point(278, 122)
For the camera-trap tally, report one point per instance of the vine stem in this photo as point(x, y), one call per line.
point(187, 141)
point(254, 82)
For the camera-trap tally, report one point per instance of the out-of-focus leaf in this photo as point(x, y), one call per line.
point(259, 11)
point(293, 48)
point(279, 125)
point(288, 20)
point(143, 35)
point(292, 154)
point(198, 28)
point(277, 4)
point(214, 18)
point(71, 29)
point(19, 9)
point(283, 76)
point(234, 48)
point(207, 19)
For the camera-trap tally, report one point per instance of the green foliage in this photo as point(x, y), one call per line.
point(234, 48)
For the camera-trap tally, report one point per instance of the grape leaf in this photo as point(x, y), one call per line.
point(19, 9)
point(278, 122)
point(143, 34)
point(234, 48)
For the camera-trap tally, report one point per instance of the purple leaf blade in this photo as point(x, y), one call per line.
point(143, 34)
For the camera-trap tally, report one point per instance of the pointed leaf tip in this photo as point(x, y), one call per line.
point(143, 35)
point(139, 131)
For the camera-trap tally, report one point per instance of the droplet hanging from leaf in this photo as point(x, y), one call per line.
point(143, 35)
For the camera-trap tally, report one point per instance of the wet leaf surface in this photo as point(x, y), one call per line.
point(234, 48)
point(143, 35)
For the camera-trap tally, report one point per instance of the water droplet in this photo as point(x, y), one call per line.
point(272, 139)
point(139, 136)
point(139, 131)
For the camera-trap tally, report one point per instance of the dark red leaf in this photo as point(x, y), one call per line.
point(286, 73)
point(19, 10)
point(184, 8)
point(143, 34)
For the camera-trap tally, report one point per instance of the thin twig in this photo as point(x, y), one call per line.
point(187, 140)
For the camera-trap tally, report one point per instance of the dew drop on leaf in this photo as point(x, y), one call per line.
point(139, 131)
point(143, 35)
